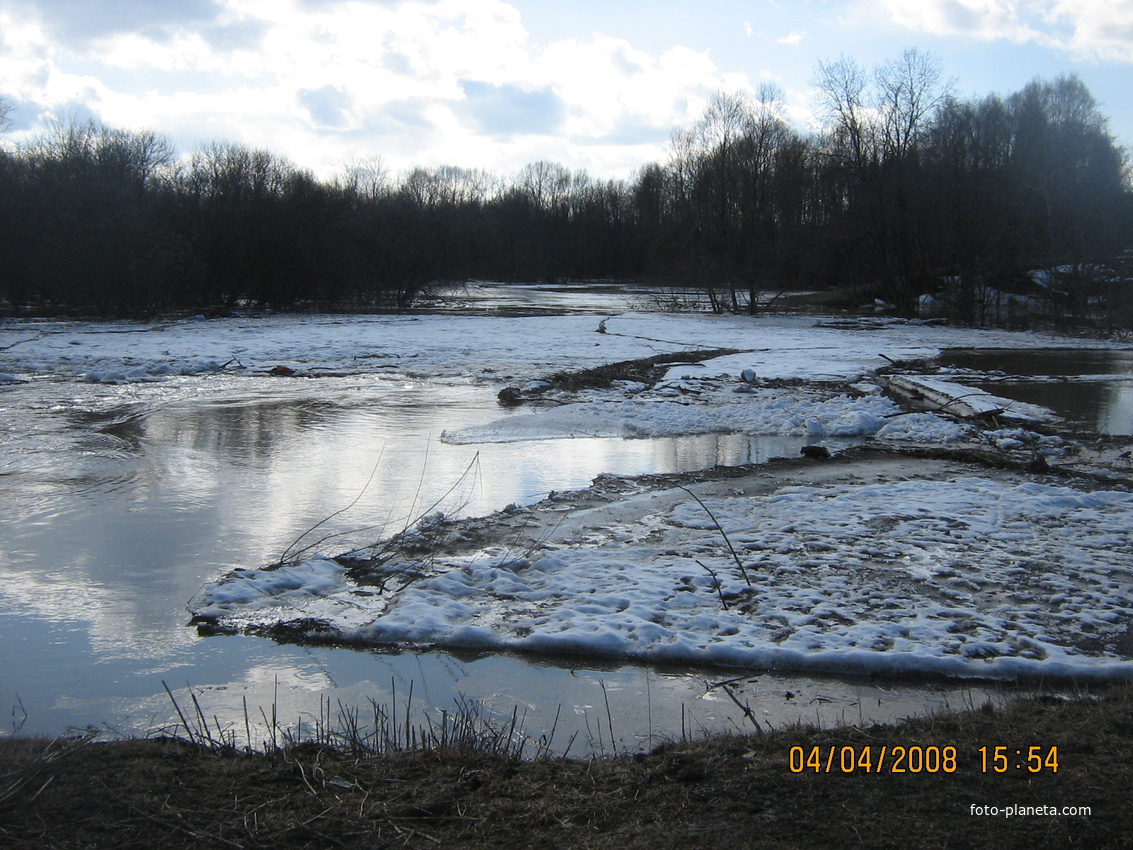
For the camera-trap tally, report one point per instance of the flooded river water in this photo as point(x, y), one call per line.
point(121, 502)
point(1091, 389)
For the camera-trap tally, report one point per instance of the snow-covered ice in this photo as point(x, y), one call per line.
point(446, 346)
point(967, 576)
point(763, 411)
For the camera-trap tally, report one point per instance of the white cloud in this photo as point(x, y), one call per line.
point(420, 83)
point(794, 38)
point(986, 19)
point(1102, 29)
point(1087, 29)
point(606, 83)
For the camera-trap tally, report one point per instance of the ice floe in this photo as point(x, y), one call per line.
point(971, 577)
point(762, 411)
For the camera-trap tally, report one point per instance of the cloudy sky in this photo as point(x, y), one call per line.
point(595, 84)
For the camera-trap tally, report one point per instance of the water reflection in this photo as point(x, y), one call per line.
point(120, 503)
point(1041, 361)
point(1102, 406)
point(1090, 388)
point(647, 705)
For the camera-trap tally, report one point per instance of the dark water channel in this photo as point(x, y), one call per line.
point(1089, 388)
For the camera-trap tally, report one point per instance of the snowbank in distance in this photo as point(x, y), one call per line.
point(460, 347)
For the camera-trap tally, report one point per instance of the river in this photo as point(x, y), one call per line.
point(120, 502)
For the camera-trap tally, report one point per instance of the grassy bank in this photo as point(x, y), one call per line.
point(723, 792)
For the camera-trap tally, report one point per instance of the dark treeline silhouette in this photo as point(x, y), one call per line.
point(106, 221)
point(906, 191)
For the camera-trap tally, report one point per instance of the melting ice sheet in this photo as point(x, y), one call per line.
point(763, 412)
point(970, 577)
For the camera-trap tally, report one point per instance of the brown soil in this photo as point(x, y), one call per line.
point(727, 792)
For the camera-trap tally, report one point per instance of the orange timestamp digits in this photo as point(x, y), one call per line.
point(914, 759)
point(871, 759)
point(1030, 759)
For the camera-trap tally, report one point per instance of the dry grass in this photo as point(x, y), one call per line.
point(722, 792)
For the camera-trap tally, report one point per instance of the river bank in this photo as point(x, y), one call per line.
point(1043, 772)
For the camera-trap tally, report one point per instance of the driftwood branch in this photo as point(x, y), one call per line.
point(724, 534)
point(716, 583)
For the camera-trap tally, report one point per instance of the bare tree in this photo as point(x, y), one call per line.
point(727, 118)
point(449, 185)
point(547, 185)
point(909, 91)
point(367, 176)
point(843, 108)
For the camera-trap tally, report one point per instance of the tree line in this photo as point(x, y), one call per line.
point(906, 190)
point(103, 221)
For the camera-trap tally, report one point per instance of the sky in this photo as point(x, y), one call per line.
point(592, 84)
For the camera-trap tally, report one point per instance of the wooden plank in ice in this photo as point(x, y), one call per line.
point(947, 396)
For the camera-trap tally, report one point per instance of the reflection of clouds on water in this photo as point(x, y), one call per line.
point(310, 678)
point(118, 616)
point(102, 528)
point(288, 689)
point(538, 467)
